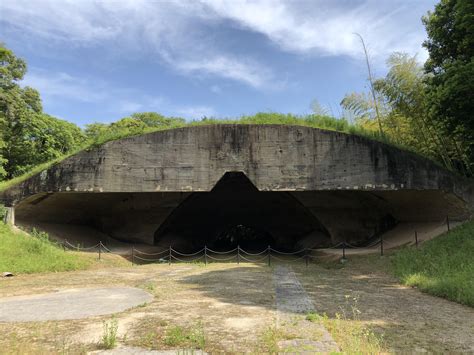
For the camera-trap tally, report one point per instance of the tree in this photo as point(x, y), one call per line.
point(450, 88)
point(153, 119)
point(28, 136)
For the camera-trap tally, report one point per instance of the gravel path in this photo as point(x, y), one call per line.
point(293, 304)
point(74, 303)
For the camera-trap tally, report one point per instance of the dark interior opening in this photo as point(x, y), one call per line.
point(245, 237)
point(235, 213)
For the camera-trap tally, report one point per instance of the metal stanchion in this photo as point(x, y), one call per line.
point(169, 257)
point(133, 255)
point(100, 249)
point(269, 256)
point(447, 222)
point(381, 245)
point(416, 239)
point(205, 255)
point(238, 254)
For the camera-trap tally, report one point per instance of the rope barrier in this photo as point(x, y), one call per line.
point(286, 253)
point(263, 256)
point(152, 254)
point(254, 261)
point(223, 259)
point(106, 249)
point(191, 254)
point(149, 260)
point(77, 247)
point(289, 261)
point(222, 252)
point(187, 261)
point(254, 254)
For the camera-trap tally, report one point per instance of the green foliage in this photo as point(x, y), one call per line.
point(22, 253)
point(181, 336)
point(109, 334)
point(450, 88)
point(3, 213)
point(28, 137)
point(443, 266)
point(405, 116)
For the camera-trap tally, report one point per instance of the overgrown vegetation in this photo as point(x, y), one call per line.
point(426, 109)
point(442, 267)
point(23, 253)
point(347, 329)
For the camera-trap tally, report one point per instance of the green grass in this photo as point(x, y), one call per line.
point(23, 253)
point(442, 267)
point(180, 336)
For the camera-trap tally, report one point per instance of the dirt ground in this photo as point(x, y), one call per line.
point(234, 307)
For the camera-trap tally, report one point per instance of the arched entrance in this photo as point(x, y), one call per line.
point(235, 213)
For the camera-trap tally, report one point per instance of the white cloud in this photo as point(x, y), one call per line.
point(59, 84)
point(182, 33)
point(56, 86)
point(242, 70)
point(327, 27)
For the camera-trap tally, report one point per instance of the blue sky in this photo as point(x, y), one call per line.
point(98, 61)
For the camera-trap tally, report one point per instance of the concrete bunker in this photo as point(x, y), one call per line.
point(248, 185)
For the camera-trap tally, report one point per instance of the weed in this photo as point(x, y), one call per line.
point(270, 338)
point(349, 331)
point(182, 336)
point(109, 335)
point(312, 316)
point(150, 286)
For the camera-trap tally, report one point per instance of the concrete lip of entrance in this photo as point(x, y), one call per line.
point(71, 304)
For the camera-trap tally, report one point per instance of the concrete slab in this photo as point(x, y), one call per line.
point(71, 304)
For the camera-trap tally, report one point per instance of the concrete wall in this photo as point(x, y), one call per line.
point(273, 157)
point(354, 187)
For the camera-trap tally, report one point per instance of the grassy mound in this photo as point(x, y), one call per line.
point(442, 267)
point(23, 253)
point(263, 118)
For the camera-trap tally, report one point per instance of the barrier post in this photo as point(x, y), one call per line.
point(381, 245)
point(416, 239)
point(447, 222)
point(205, 255)
point(238, 254)
point(100, 249)
point(133, 255)
point(64, 244)
point(306, 256)
point(269, 256)
point(169, 257)
point(344, 250)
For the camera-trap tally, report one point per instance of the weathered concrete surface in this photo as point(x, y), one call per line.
point(291, 299)
point(273, 157)
point(71, 304)
point(353, 187)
